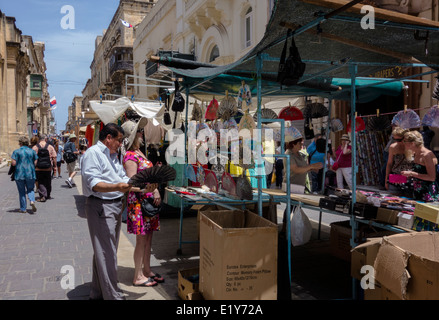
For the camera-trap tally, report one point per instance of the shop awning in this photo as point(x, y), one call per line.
point(329, 42)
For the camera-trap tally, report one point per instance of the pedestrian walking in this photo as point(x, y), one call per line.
point(71, 156)
point(104, 183)
point(24, 159)
point(59, 158)
point(43, 169)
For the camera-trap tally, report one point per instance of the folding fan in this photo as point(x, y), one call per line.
point(380, 123)
point(190, 173)
point(407, 119)
point(315, 110)
point(227, 108)
point(359, 125)
point(211, 181)
point(156, 174)
point(200, 174)
point(336, 125)
point(436, 90)
point(292, 133)
point(291, 113)
point(431, 118)
point(212, 109)
point(247, 122)
point(238, 116)
point(243, 188)
point(230, 124)
point(197, 112)
point(266, 114)
point(228, 184)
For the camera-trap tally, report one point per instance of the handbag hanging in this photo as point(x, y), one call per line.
point(149, 210)
point(335, 165)
point(291, 68)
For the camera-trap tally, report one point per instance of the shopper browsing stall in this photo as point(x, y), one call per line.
point(398, 161)
point(344, 162)
point(143, 227)
point(425, 187)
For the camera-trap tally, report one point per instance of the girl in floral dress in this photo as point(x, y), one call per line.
point(135, 161)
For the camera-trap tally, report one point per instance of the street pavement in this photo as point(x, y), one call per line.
point(48, 255)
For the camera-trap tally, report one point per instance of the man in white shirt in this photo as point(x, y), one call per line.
point(104, 183)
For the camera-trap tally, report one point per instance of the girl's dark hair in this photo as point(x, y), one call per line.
point(110, 129)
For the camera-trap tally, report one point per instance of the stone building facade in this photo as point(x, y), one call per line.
point(113, 56)
point(22, 107)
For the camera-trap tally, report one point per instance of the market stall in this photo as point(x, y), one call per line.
point(336, 73)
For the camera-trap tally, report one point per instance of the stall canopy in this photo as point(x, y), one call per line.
point(330, 39)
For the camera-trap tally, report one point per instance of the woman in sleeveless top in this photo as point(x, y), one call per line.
point(423, 174)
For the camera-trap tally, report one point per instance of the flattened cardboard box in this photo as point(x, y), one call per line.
point(408, 265)
point(238, 256)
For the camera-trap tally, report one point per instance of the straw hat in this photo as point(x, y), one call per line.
point(345, 137)
point(130, 127)
point(72, 136)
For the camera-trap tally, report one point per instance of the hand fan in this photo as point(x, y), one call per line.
point(291, 113)
point(228, 184)
point(197, 112)
point(156, 174)
point(212, 109)
point(380, 123)
point(200, 174)
point(291, 134)
point(190, 173)
point(227, 108)
point(431, 118)
point(247, 122)
point(436, 90)
point(359, 125)
point(244, 189)
point(211, 182)
point(407, 119)
point(336, 125)
point(266, 114)
point(315, 110)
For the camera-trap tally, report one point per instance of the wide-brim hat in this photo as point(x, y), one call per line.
point(130, 127)
point(345, 137)
point(72, 136)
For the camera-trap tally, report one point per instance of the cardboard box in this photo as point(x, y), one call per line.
point(387, 216)
point(379, 293)
point(427, 211)
point(365, 210)
point(364, 255)
point(341, 234)
point(408, 265)
point(405, 219)
point(238, 256)
point(186, 287)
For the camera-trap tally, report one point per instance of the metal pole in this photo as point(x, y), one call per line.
point(259, 65)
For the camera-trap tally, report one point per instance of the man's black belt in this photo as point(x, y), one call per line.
point(107, 200)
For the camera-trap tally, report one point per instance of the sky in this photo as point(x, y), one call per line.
point(69, 34)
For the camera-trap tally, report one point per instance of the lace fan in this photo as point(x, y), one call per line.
point(359, 125)
point(315, 110)
point(228, 184)
point(211, 181)
point(431, 118)
point(212, 109)
point(407, 119)
point(190, 173)
point(265, 114)
point(243, 188)
point(227, 108)
point(247, 122)
point(156, 174)
point(380, 123)
point(291, 113)
point(336, 125)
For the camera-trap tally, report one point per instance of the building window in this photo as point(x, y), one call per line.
point(214, 53)
point(36, 84)
point(248, 27)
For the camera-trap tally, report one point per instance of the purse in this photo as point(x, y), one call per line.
point(291, 68)
point(149, 210)
point(335, 165)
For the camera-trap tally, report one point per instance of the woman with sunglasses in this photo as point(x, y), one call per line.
point(425, 187)
point(397, 162)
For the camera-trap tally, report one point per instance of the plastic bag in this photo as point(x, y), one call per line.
point(301, 228)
